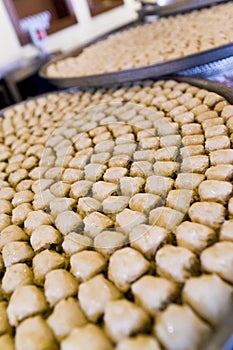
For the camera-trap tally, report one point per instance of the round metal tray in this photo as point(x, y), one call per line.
point(151, 71)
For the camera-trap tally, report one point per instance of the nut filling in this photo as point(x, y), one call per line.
point(116, 218)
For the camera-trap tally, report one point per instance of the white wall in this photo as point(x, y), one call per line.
point(87, 29)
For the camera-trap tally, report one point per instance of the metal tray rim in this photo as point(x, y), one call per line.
point(177, 7)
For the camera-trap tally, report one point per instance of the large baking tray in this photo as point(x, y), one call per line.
point(151, 71)
point(223, 338)
point(175, 8)
point(219, 88)
point(144, 72)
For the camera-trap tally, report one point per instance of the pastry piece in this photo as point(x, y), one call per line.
point(216, 130)
point(215, 191)
point(87, 337)
point(75, 242)
point(179, 199)
point(199, 293)
point(154, 293)
point(176, 321)
point(5, 206)
point(177, 110)
point(223, 156)
point(212, 99)
point(59, 284)
point(87, 205)
point(149, 143)
point(26, 301)
point(217, 143)
point(80, 189)
point(230, 208)
point(78, 162)
point(141, 168)
point(72, 175)
point(219, 259)
point(170, 140)
point(192, 150)
point(208, 114)
point(53, 173)
point(16, 275)
point(165, 128)
point(12, 233)
point(221, 172)
point(123, 318)
point(158, 185)
point(212, 122)
point(193, 140)
point(144, 202)
point(36, 219)
point(15, 252)
point(96, 222)
point(114, 174)
point(168, 169)
point(44, 262)
point(5, 220)
point(121, 160)
point(176, 263)
point(166, 154)
point(139, 342)
point(166, 217)
point(42, 200)
point(125, 138)
point(193, 236)
point(226, 231)
point(125, 148)
point(68, 221)
point(59, 205)
point(41, 185)
point(4, 325)
point(7, 342)
point(207, 213)
point(86, 264)
point(17, 176)
point(115, 204)
point(66, 316)
point(101, 190)
point(60, 189)
point(127, 219)
point(147, 239)
point(229, 125)
point(107, 242)
point(20, 213)
point(188, 181)
point(24, 185)
point(183, 118)
point(132, 262)
point(104, 146)
point(94, 296)
point(227, 112)
point(131, 185)
point(195, 164)
point(146, 133)
point(102, 137)
point(144, 155)
point(45, 236)
point(34, 334)
point(7, 193)
point(94, 172)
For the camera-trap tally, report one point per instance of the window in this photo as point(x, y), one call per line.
point(62, 14)
point(98, 6)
